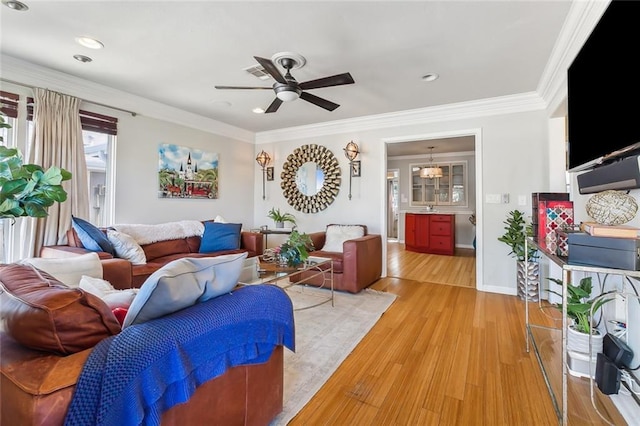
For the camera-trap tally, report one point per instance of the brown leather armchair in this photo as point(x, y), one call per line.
point(357, 267)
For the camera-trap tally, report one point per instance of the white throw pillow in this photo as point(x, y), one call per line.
point(220, 219)
point(338, 234)
point(182, 283)
point(68, 270)
point(109, 295)
point(126, 247)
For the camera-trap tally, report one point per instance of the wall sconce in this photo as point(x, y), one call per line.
point(351, 152)
point(263, 159)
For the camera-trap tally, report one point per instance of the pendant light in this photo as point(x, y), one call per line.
point(431, 171)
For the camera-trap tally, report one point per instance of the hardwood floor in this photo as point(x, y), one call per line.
point(434, 268)
point(440, 355)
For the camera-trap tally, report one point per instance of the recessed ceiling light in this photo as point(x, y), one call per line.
point(15, 5)
point(258, 111)
point(89, 42)
point(82, 58)
point(430, 77)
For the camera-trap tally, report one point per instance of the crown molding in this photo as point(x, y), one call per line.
point(32, 75)
point(580, 21)
point(458, 111)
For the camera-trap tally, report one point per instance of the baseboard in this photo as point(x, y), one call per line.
point(499, 289)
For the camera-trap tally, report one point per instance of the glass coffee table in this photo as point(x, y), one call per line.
point(275, 274)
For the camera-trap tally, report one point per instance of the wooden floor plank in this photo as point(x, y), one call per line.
point(442, 354)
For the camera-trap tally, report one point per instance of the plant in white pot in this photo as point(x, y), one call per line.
point(581, 310)
point(516, 231)
point(280, 218)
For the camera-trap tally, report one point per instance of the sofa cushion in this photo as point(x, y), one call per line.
point(68, 270)
point(42, 313)
point(107, 293)
point(126, 247)
point(220, 236)
point(338, 234)
point(169, 247)
point(92, 238)
point(183, 283)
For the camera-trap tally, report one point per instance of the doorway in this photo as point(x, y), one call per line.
point(448, 143)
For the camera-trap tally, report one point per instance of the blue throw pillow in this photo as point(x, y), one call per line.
point(220, 236)
point(91, 237)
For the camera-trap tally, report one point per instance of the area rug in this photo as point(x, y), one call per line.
point(325, 336)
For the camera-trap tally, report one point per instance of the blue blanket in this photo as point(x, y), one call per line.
point(132, 378)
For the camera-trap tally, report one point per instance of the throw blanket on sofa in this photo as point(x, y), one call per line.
point(147, 234)
point(132, 378)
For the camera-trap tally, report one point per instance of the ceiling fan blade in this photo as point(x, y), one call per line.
point(274, 106)
point(334, 80)
point(271, 68)
point(322, 103)
point(242, 87)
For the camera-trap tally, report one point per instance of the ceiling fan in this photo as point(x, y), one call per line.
point(288, 89)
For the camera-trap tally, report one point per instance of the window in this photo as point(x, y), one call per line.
point(97, 152)
point(98, 135)
point(9, 108)
point(449, 190)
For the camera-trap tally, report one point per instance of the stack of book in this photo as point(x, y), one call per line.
point(614, 231)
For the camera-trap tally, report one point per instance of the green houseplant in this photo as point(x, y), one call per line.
point(516, 232)
point(579, 306)
point(280, 218)
point(28, 189)
point(581, 310)
point(296, 249)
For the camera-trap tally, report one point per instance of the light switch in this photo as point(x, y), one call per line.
point(505, 198)
point(522, 200)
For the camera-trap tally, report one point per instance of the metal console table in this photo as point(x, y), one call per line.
point(546, 339)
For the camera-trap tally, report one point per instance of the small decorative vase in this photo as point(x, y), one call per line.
point(530, 270)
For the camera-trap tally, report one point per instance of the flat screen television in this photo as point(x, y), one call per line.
point(603, 98)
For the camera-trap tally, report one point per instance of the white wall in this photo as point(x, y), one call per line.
point(137, 174)
point(513, 159)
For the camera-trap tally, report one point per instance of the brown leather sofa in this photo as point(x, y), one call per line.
point(158, 254)
point(357, 267)
point(37, 386)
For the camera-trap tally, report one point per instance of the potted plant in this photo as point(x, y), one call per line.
point(580, 309)
point(296, 249)
point(516, 232)
point(280, 218)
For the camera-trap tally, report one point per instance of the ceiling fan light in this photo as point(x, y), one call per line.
point(287, 95)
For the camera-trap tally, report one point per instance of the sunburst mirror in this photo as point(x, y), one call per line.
point(310, 178)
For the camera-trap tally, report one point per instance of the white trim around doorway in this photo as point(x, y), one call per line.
point(477, 133)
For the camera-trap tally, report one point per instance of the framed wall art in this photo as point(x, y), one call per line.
point(186, 172)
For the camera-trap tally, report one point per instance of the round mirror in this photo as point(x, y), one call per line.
point(309, 178)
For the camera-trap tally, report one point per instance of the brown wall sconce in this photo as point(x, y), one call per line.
point(263, 159)
point(351, 152)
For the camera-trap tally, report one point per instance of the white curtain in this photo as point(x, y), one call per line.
point(57, 141)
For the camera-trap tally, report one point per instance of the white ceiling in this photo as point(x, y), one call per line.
point(174, 52)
